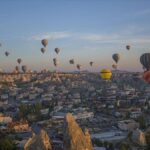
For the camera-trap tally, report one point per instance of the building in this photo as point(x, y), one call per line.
point(5, 119)
point(128, 125)
point(19, 126)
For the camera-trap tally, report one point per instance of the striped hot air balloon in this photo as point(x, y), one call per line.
point(145, 60)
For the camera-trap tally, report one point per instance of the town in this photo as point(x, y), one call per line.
point(116, 112)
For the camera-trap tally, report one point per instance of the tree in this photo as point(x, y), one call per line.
point(7, 143)
point(111, 146)
point(141, 120)
point(124, 146)
point(38, 107)
point(23, 110)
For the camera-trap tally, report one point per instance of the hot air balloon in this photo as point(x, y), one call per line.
point(44, 42)
point(78, 66)
point(146, 76)
point(145, 60)
point(57, 50)
point(55, 61)
point(24, 68)
point(128, 47)
point(116, 57)
point(71, 61)
point(91, 63)
point(43, 50)
point(114, 66)
point(17, 68)
point(106, 74)
point(19, 60)
point(7, 53)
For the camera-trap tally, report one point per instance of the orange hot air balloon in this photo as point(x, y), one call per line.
point(146, 76)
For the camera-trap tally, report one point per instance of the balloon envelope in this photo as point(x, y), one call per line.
point(71, 61)
point(78, 66)
point(24, 68)
point(114, 66)
point(19, 60)
point(116, 57)
point(91, 63)
point(106, 74)
point(7, 53)
point(55, 61)
point(44, 42)
point(145, 60)
point(57, 50)
point(146, 76)
point(43, 50)
point(17, 68)
point(128, 47)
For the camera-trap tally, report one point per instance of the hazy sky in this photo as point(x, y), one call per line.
point(86, 30)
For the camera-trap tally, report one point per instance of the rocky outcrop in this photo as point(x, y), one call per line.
point(139, 137)
point(74, 137)
point(39, 141)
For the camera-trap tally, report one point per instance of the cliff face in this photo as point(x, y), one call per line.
point(139, 137)
point(38, 142)
point(74, 137)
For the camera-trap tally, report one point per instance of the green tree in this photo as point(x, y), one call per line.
point(6, 143)
point(105, 144)
point(38, 107)
point(124, 146)
point(23, 110)
point(111, 146)
point(142, 122)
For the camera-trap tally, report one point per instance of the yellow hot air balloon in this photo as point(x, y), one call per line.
point(106, 74)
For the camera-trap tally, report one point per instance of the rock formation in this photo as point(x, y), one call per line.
point(139, 137)
point(38, 142)
point(74, 137)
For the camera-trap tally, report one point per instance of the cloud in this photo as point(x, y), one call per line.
point(51, 36)
point(118, 38)
point(99, 37)
point(132, 34)
point(142, 40)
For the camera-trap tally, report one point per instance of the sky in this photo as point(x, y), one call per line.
point(85, 30)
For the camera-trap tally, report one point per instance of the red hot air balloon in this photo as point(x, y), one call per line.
point(146, 76)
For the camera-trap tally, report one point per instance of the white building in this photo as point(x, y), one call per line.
point(5, 119)
point(128, 125)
